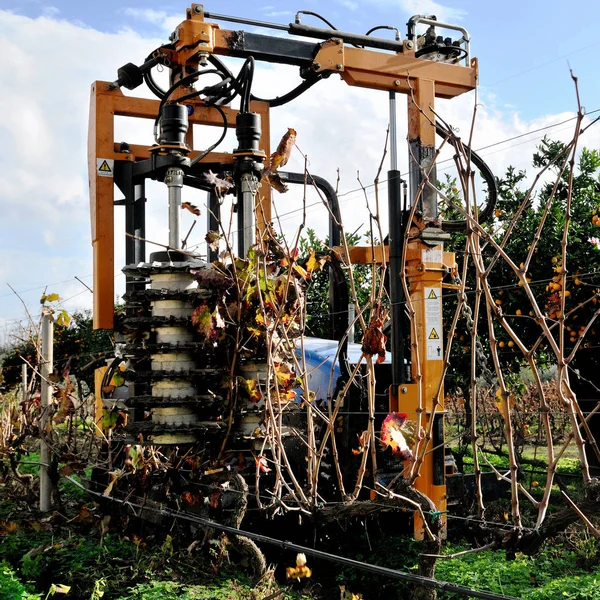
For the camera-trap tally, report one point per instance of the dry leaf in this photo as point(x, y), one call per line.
point(191, 207)
point(280, 157)
point(374, 340)
point(221, 186)
point(212, 239)
point(275, 181)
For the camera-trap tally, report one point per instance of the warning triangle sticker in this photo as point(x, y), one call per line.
point(432, 295)
point(434, 335)
point(104, 168)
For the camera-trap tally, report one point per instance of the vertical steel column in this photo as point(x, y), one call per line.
point(245, 212)
point(174, 182)
point(396, 242)
point(135, 224)
point(139, 221)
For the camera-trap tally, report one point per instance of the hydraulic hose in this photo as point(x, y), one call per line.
point(488, 211)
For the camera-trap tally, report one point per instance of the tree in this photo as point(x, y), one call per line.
point(77, 342)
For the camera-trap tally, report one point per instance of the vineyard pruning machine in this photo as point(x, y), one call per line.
point(171, 396)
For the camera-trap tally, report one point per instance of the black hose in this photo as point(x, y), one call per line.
point(181, 82)
point(442, 49)
point(314, 14)
point(278, 100)
point(292, 94)
point(487, 212)
point(248, 67)
point(149, 78)
point(153, 86)
point(378, 27)
point(206, 90)
point(223, 134)
point(108, 375)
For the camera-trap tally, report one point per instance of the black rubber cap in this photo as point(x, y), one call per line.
point(130, 76)
point(168, 256)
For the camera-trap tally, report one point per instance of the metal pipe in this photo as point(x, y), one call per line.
point(46, 396)
point(351, 318)
point(393, 134)
point(331, 198)
point(174, 182)
point(366, 41)
point(139, 221)
point(396, 243)
point(265, 24)
point(246, 199)
point(338, 304)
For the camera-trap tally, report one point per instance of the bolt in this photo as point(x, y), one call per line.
point(409, 45)
point(338, 67)
point(316, 66)
point(198, 9)
point(397, 82)
point(404, 389)
point(338, 41)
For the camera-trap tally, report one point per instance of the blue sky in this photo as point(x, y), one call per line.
point(53, 51)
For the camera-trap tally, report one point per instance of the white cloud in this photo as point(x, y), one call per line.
point(146, 14)
point(159, 18)
point(51, 11)
point(45, 231)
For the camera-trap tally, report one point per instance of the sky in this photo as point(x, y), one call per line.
point(53, 51)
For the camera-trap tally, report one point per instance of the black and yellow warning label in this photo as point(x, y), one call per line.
point(434, 335)
point(432, 295)
point(105, 167)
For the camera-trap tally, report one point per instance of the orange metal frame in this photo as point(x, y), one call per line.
point(421, 80)
point(106, 103)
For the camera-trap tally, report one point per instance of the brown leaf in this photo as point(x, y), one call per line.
point(280, 157)
point(191, 207)
point(374, 340)
point(250, 386)
point(215, 498)
point(275, 181)
point(212, 239)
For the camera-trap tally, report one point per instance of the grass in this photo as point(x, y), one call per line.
point(555, 574)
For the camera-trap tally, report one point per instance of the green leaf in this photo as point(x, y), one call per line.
point(118, 380)
point(59, 588)
point(63, 319)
